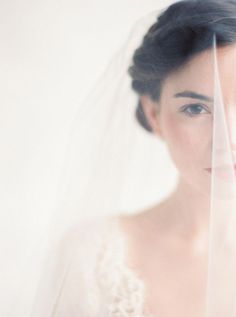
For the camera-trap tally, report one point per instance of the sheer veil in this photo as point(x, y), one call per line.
point(114, 166)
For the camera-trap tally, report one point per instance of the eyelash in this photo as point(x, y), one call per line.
point(185, 110)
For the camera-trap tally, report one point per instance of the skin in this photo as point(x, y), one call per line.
point(174, 234)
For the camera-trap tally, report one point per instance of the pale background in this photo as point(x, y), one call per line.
point(51, 53)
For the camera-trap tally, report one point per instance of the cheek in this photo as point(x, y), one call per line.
point(187, 139)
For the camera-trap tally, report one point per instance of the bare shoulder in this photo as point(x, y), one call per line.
point(83, 238)
point(141, 234)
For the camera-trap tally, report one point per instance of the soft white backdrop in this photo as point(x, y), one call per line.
point(52, 52)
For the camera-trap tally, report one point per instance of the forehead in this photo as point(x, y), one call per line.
point(198, 74)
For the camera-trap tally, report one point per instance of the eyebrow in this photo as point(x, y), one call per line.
point(193, 95)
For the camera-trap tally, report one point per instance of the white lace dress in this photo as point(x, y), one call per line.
point(98, 281)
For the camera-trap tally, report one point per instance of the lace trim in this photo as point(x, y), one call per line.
point(124, 291)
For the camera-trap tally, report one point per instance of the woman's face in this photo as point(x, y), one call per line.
point(185, 117)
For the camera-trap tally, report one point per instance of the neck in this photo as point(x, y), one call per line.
point(193, 208)
point(185, 215)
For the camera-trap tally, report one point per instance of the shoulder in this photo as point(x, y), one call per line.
point(77, 264)
point(84, 239)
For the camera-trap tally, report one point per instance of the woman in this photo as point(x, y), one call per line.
point(156, 262)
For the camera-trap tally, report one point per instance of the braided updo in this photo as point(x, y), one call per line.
point(183, 30)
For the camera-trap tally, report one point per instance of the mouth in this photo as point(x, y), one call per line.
point(227, 172)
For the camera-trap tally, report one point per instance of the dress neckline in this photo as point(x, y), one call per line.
point(117, 231)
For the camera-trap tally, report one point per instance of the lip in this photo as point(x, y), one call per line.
point(224, 171)
point(223, 167)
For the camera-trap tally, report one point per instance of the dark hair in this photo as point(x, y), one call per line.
point(183, 30)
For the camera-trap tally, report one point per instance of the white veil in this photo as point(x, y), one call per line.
point(113, 166)
point(104, 170)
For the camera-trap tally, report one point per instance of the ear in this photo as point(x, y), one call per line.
point(150, 109)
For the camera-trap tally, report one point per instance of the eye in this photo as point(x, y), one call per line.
point(194, 110)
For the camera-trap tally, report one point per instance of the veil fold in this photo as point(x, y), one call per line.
point(221, 286)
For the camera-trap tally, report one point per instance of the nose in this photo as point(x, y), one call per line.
point(228, 125)
point(231, 124)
